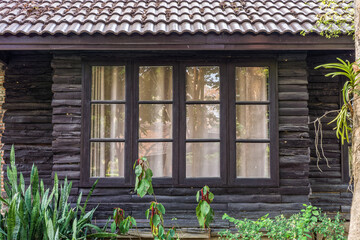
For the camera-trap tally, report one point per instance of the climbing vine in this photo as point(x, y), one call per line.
point(335, 18)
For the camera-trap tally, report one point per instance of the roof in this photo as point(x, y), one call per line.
point(64, 17)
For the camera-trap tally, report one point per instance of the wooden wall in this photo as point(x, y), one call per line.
point(180, 202)
point(43, 119)
point(329, 187)
point(28, 116)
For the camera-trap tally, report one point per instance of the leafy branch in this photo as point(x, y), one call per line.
point(143, 186)
point(204, 212)
point(349, 91)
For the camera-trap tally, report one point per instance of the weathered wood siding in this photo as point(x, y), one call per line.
point(28, 81)
point(180, 202)
point(43, 119)
point(66, 117)
point(329, 187)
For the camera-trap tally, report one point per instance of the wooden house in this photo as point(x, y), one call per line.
point(217, 93)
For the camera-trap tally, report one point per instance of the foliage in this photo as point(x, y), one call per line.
point(247, 229)
point(344, 118)
point(204, 212)
point(155, 215)
point(336, 18)
point(301, 226)
point(121, 225)
point(37, 213)
point(143, 184)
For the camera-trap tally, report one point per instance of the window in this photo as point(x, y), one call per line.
point(196, 122)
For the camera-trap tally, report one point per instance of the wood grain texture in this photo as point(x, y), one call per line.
point(56, 111)
point(329, 187)
point(28, 112)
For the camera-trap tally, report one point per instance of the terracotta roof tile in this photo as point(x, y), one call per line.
point(156, 16)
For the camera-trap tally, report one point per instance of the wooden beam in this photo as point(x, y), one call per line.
point(176, 42)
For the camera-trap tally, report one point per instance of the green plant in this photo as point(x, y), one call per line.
point(247, 229)
point(350, 90)
point(143, 184)
point(309, 223)
point(155, 215)
point(121, 225)
point(204, 212)
point(38, 213)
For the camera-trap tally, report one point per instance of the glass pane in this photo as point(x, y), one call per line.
point(252, 160)
point(107, 120)
point(159, 155)
point(252, 122)
point(107, 159)
point(252, 83)
point(155, 83)
point(202, 160)
point(108, 83)
point(155, 120)
point(203, 121)
point(203, 83)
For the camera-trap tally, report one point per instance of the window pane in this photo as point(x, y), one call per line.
point(203, 83)
point(107, 159)
point(155, 120)
point(252, 83)
point(252, 122)
point(107, 120)
point(203, 121)
point(202, 160)
point(159, 155)
point(155, 83)
point(252, 160)
point(108, 83)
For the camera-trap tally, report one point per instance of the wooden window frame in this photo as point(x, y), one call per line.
point(227, 123)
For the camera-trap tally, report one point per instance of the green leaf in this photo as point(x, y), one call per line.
point(161, 230)
point(143, 187)
point(34, 180)
point(197, 196)
point(147, 212)
point(11, 220)
point(156, 220)
point(148, 174)
point(211, 196)
point(205, 208)
point(161, 208)
point(138, 170)
point(113, 227)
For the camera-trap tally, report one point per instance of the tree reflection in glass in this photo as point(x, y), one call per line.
point(203, 121)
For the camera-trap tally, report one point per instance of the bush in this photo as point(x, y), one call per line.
point(309, 223)
point(38, 213)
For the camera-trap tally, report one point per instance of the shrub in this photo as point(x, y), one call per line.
point(309, 223)
point(38, 213)
point(204, 212)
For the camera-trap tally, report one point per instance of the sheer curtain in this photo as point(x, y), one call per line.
point(202, 122)
point(107, 121)
point(155, 119)
point(252, 122)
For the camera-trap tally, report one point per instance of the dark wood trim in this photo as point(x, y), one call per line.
point(227, 138)
point(85, 179)
point(210, 41)
point(85, 126)
point(136, 141)
point(274, 129)
point(345, 165)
